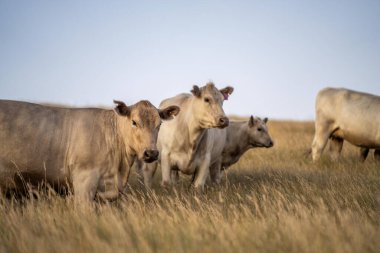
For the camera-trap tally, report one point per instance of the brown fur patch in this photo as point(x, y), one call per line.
point(147, 114)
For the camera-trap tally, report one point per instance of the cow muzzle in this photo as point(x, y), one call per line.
point(223, 122)
point(150, 155)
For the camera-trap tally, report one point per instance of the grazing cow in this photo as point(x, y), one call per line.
point(343, 114)
point(89, 149)
point(184, 142)
point(233, 141)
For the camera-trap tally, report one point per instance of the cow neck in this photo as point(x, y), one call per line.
point(123, 132)
point(191, 124)
point(236, 144)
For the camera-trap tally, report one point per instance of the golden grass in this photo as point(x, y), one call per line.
point(273, 200)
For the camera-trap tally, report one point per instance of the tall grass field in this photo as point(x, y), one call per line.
point(272, 200)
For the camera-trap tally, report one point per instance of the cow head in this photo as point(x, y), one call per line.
point(208, 105)
point(140, 124)
point(257, 133)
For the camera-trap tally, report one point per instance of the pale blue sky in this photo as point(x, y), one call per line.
point(277, 54)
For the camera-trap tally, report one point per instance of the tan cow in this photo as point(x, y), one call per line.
point(90, 149)
point(343, 114)
point(184, 142)
point(236, 139)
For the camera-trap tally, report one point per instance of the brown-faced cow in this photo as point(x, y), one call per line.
point(89, 149)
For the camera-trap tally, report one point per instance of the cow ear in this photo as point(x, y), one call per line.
point(251, 121)
point(121, 108)
point(196, 91)
point(226, 92)
point(169, 112)
point(265, 120)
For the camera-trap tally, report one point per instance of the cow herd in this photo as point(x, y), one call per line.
point(92, 150)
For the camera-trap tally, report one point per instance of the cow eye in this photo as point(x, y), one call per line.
point(259, 129)
point(207, 100)
point(134, 124)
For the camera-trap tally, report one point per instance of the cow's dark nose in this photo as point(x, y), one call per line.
point(223, 122)
point(150, 155)
point(270, 144)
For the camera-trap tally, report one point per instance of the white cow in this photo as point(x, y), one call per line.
point(343, 114)
point(184, 143)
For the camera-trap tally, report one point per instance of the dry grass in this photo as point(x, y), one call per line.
point(273, 200)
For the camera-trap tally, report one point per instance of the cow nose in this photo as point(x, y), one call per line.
point(223, 122)
point(150, 155)
point(270, 144)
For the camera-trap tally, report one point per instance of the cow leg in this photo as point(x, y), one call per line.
point(85, 184)
point(377, 154)
point(223, 173)
point(165, 170)
point(322, 134)
point(336, 145)
point(139, 167)
point(202, 173)
point(363, 153)
point(148, 170)
point(174, 175)
point(109, 186)
point(110, 193)
point(215, 172)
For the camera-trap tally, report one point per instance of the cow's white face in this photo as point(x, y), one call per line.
point(142, 122)
point(208, 108)
point(257, 133)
